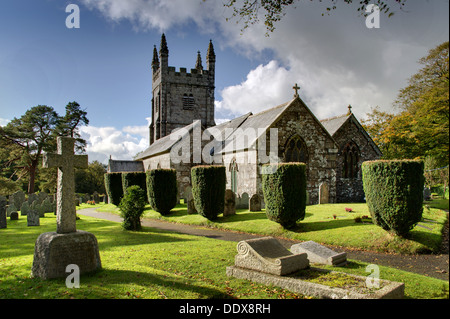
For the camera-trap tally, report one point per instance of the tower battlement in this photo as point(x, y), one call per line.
point(181, 97)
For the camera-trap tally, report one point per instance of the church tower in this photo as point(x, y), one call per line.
point(181, 97)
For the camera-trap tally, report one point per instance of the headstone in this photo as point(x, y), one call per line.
point(255, 203)
point(96, 197)
point(11, 208)
point(33, 218)
point(230, 203)
point(42, 196)
point(14, 216)
point(267, 255)
point(190, 201)
point(320, 254)
point(242, 201)
point(25, 209)
point(54, 251)
point(3, 221)
point(32, 198)
point(324, 193)
point(18, 198)
point(426, 193)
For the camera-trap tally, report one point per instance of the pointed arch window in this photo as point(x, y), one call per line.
point(351, 156)
point(296, 150)
point(233, 172)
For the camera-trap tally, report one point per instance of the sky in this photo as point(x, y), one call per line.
point(105, 64)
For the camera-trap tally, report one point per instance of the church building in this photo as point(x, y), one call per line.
point(183, 134)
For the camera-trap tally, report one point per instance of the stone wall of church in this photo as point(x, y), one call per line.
point(247, 172)
point(351, 190)
point(322, 150)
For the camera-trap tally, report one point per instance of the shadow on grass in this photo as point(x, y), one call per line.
point(103, 285)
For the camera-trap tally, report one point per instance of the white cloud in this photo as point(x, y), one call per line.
point(103, 142)
point(266, 86)
point(4, 122)
point(157, 14)
point(335, 59)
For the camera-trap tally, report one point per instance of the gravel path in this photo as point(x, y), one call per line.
point(432, 265)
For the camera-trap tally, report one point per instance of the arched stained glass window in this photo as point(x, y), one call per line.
point(350, 155)
point(296, 150)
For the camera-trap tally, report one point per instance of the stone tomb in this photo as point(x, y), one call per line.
point(267, 255)
point(319, 254)
point(266, 261)
point(54, 251)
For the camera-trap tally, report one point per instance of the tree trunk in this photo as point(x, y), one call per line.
point(32, 170)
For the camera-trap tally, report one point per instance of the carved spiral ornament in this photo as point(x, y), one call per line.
point(242, 248)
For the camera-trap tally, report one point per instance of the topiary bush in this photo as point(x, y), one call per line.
point(394, 193)
point(113, 186)
point(132, 207)
point(134, 178)
point(162, 190)
point(208, 190)
point(284, 188)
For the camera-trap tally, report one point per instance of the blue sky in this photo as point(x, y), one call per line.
point(105, 64)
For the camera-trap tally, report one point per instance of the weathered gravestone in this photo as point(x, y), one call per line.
point(255, 203)
point(33, 218)
point(25, 209)
point(56, 250)
point(426, 193)
point(230, 203)
point(14, 216)
point(242, 201)
point(320, 254)
point(267, 255)
point(3, 223)
point(11, 208)
point(324, 193)
point(190, 200)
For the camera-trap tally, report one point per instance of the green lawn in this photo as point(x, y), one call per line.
point(328, 224)
point(156, 264)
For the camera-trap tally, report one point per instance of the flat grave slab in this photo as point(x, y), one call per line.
point(319, 254)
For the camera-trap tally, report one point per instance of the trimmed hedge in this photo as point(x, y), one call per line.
point(134, 178)
point(132, 207)
point(162, 190)
point(394, 193)
point(113, 186)
point(208, 190)
point(284, 188)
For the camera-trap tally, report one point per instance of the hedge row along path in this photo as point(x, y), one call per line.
point(435, 266)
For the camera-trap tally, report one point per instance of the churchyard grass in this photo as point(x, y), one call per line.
point(156, 264)
point(328, 224)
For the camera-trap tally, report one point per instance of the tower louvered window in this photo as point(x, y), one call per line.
point(188, 101)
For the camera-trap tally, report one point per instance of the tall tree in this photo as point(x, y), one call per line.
point(32, 134)
point(426, 99)
point(421, 128)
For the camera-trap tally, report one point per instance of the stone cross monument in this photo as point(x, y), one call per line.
point(56, 250)
point(66, 161)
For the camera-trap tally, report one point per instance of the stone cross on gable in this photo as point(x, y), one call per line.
point(66, 162)
point(296, 88)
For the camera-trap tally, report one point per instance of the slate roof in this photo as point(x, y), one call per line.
point(261, 121)
point(164, 144)
point(332, 125)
